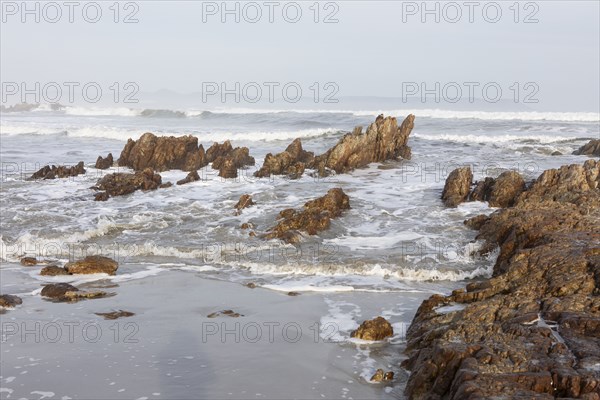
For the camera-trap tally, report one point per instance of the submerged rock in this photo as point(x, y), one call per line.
point(67, 293)
point(457, 187)
point(162, 153)
point(53, 270)
point(191, 177)
point(375, 329)
point(381, 376)
point(122, 183)
point(116, 314)
point(8, 300)
point(29, 261)
point(315, 217)
point(227, 313)
point(105, 163)
point(245, 201)
point(291, 162)
point(93, 265)
point(62, 171)
point(383, 140)
point(592, 148)
point(532, 329)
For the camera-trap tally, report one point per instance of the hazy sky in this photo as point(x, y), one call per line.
point(374, 49)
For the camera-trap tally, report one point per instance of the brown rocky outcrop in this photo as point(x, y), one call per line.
point(104, 163)
point(122, 183)
point(228, 160)
point(245, 201)
point(291, 162)
point(93, 265)
point(457, 187)
point(162, 153)
point(592, 148)
point(9, 300)
point(191, 177)
point(375, 329)
point(533, 329)
point(500, 192)
point(116, 314)
point(381, 376)
point(383, 140)
point(62, 171)
point(315, 217)
point(29, 261)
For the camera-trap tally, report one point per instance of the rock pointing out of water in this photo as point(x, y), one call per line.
point(592, 148)
point(228, 160)
point(500, 192)
point(93, 265)
point(383, 140)
point(68, 293)
point(53, 172)
point(375, 329)
point(104, 163)
point(191, 177)
point(290, 162)
point(162, 153)
point(457, 187)
point(245, 201)
point(532, 330)
point(121, 183)
point(315, 217)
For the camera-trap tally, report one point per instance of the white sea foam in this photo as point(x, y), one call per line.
point(491, 138)
point(101, 111)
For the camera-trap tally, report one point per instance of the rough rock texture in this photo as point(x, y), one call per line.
point(245, 201)
point(104, 163)
point(122, 183)
point(457, 187)
point(8, 300)
point(533, 329)
point(93, 265)
point(383, 140)
point(291, 162)
point(227, 159)
point(375, 329)
point(162, 153)
point(316, 216)
point(53, 172)
point(116, 314)
point(590, 149)
point(381, 376)
point(500, 192)
point(53, 270)
point(191, 177)
point(227, 313)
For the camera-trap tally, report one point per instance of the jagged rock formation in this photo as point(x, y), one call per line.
point(104, 163)
point(315, 217)
point(290, 162)
point(121, 183)
point(162, 153)
point(375, 329)
point(592, 148)
point(191, 177)
point(62, 171)
point(383, 140)
point(227, 159)
point(533, 329)
point(457, 187)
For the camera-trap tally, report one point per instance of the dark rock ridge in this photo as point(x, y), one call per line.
point(498, 192)
point(375, 329)
point(93, 265)
point(228, 160)
point(191, 177)
point(68, 293)
point(9, 300)
point(532, 331)
point(315, 217)
point(383, 140)
point(457, 187)
point(592, 148)
point(122, 183)
point(62, 171)
point(104, 163)
point(227, 313)
point(162, 153)
point(290, 162)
